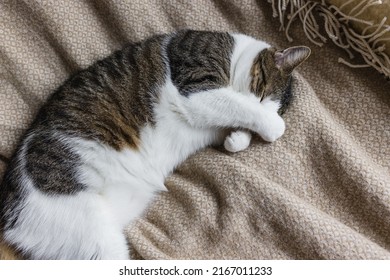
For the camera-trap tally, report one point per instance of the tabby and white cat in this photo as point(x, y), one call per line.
point(100, 148)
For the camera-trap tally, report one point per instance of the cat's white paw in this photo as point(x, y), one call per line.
point(237, 141)
point(271, 105)
point(272, 127)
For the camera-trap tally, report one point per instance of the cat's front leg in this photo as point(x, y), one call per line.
point(226, 108)
point(239, 140)
point(271, 126)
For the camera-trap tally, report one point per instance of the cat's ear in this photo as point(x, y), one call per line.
point(290, 58)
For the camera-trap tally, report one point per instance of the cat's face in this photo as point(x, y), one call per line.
point(271, 73)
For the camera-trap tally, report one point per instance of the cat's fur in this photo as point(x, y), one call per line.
point(102, 145)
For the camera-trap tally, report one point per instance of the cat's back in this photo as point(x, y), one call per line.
point(109, 100)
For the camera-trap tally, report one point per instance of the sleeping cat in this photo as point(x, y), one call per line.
point(100, 148)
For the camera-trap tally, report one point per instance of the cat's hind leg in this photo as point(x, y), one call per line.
point(111, 244)
point(77, 226)
point(98, 233)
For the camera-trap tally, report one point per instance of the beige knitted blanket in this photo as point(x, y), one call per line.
point(320, 192)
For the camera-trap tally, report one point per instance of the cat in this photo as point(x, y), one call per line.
point(101, 146)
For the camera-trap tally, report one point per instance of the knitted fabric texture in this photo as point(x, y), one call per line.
point(322, 191)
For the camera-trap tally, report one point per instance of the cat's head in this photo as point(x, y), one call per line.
point(271, 73)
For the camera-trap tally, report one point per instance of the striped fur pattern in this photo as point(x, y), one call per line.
point(102, 145)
